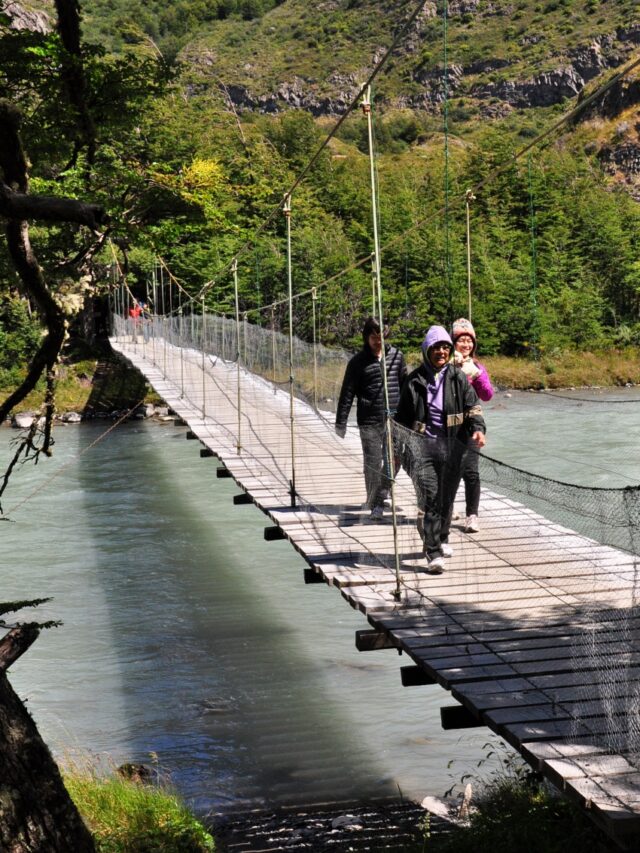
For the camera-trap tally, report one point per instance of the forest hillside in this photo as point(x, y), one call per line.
point(205, 113)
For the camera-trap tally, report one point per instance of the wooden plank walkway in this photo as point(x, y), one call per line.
point(532, 627)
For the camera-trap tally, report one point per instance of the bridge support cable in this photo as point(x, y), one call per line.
point(534, 260)
point(448, 273)
point(234, 270)
point(390, 463)
point(469, 197)
point(286, 209)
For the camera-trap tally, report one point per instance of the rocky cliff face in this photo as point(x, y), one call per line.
point(620, 156)
point(22, 18)
point(566, 79)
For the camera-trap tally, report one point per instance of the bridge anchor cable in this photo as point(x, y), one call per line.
point(390, 463)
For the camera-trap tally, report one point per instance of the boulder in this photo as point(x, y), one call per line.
point(22, 420)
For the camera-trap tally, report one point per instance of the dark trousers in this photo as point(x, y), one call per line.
point(471, 475)
point(377, 477)
point(436, 476)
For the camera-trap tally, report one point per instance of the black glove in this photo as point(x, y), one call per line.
point(341, 430)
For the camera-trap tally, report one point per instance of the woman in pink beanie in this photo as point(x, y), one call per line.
point(464, 341)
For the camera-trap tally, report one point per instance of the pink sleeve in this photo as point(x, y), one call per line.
point(482, 384)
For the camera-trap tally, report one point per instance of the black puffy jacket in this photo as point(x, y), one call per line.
point(363, 379)
point(462, 409)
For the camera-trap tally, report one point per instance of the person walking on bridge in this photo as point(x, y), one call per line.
point(364, 380)
point(464, 342)
point(441, 413)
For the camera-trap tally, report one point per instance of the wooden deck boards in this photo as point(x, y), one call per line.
point(521, 626)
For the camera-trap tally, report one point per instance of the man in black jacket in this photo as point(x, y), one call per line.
point(442, 415)
point(364, 379)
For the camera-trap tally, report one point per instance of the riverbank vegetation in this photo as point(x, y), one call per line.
point(90, 383)
point(521, 813)
point(128, 816)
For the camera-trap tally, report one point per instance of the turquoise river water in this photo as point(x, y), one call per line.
point(190, 641)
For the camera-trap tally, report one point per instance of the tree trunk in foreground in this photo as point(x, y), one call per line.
point(36, 813)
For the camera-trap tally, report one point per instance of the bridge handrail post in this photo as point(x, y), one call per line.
point(181, 339)
point(366, 109)
point(204, 375)
point(469, 197)
point(286, 209)
point(273, 342)
point(164, 323)
point(314, 298)
point(155, 313)
point(234, 269)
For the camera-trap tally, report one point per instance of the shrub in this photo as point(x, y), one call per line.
point(19, 334)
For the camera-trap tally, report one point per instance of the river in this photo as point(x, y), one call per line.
point(191, 642)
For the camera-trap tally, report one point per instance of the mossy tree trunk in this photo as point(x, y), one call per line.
point(36, 813)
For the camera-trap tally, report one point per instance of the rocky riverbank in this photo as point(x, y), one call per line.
point(379, 826)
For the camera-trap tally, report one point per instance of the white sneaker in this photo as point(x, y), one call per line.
point(377, 513)
point(435, 566)
point(447, 550)
point(471, 524)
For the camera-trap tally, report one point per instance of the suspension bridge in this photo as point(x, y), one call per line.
point(533, 627)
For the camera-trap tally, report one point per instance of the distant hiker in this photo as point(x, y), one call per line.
point(364, 379)
point(440, 408)
point(135, 312)
point(464, 341)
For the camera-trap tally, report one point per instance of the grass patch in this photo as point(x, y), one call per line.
point(524, 814)
point(612, 367)
point(129, 817)
point(513, 809)
point(570, 369)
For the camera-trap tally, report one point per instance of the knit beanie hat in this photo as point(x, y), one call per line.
point(462, 326)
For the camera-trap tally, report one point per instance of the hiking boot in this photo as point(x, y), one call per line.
point(471, 524)
point(376, 514)
point(446, 549)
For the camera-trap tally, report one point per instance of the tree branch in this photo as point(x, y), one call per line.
point(15, 643)
point(15, 205)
